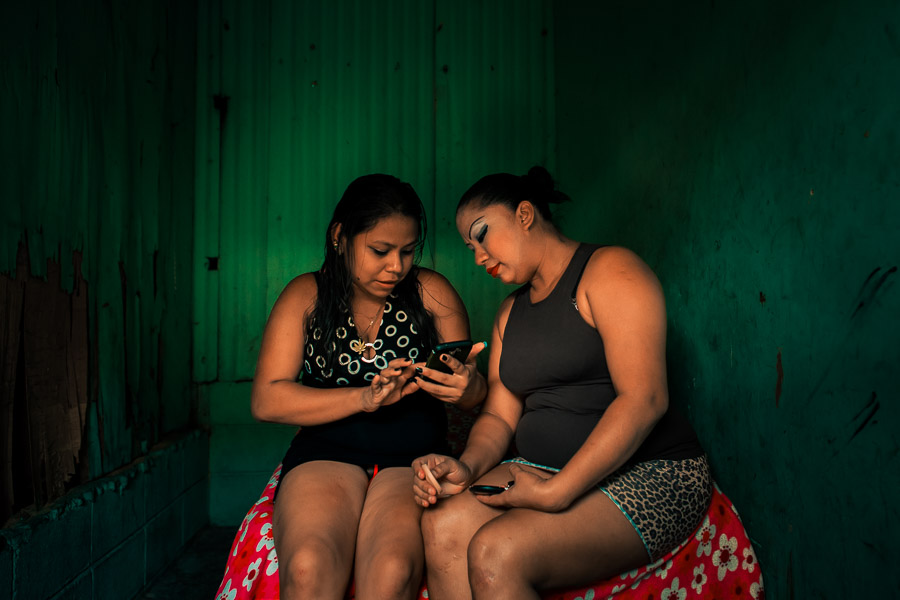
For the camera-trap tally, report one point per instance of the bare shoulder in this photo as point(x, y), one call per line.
point(299, 294)
point(438, 294)
point(613, 266)
point(618, 283)
point(434, 282)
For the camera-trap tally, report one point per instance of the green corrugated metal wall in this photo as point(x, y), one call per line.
point(437, 93)
point(751, 153)
point(495, 112)
point(97, 106)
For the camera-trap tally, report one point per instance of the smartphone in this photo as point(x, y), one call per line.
point(489, 490)
point(458, 350)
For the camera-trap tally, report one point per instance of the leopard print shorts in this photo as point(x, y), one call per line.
point(664, 500)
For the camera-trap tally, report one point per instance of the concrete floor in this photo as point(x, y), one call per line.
point(196, 574)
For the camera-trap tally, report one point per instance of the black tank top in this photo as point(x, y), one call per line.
point(557, 363)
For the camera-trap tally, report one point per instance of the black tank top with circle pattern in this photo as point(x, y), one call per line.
point(392, 435)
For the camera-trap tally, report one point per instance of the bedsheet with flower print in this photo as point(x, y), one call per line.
point(716, 561)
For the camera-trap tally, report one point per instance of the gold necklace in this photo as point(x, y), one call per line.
point(360, 346)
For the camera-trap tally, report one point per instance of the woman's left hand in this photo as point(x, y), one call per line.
point(463, 383)
point(389, 386)
point(530, 489)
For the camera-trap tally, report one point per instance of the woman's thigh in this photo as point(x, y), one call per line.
point(319, 505)
point(389, 553)
point(390, 516)
point(590, 540)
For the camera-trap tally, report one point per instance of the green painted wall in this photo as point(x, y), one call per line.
point(750, 153)
point(97, 105)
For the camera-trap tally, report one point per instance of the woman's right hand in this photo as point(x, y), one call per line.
point(463, 386)
point(390, 385)
point(438, 476)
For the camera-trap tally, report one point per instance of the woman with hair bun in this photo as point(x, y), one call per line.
point(606, 476)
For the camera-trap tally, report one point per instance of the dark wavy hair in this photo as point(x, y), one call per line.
point(536, 187)
point(366, 201)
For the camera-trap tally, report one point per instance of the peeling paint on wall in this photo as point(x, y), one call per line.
point(98, 152)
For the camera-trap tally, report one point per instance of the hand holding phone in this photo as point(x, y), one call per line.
point(458, 350)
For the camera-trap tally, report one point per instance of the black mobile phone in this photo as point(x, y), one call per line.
point(458, 350)
point(489, 490)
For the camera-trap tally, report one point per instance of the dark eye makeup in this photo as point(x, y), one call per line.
point(404, 251)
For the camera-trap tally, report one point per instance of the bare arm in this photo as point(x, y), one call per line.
point(465, 387)
point(278, 397)
point(488, 440)
point(493, 430)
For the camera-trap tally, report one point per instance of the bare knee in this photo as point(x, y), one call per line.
point(390, 575)
point(311, 571)
point(493, 564)
point(446, 534)
point(443, 532)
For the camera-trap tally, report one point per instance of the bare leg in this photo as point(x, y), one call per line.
point(389, 553)
point(447, 529)
point(524, 551)
point(315, 523)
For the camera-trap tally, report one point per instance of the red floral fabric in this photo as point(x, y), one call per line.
point(716, 561)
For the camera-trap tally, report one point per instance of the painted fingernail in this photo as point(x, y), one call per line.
point(485, 344)
point(444, 357)
point(412, 379)
point(418, 369)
